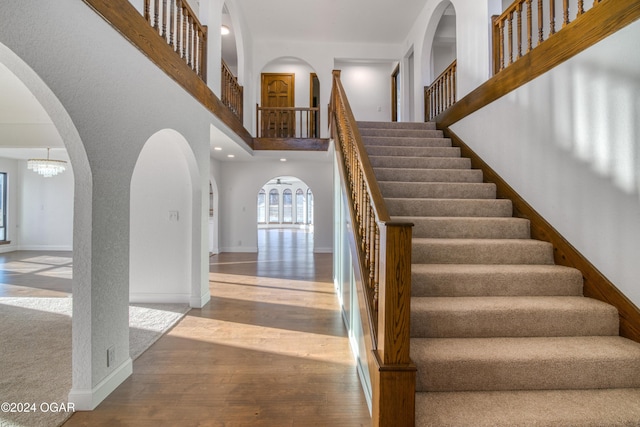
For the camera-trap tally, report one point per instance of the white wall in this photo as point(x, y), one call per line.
point(161, 223)
point(45, 221)
point(569, 143)
point(368, 88)
point(239, 188)
point(11, 167)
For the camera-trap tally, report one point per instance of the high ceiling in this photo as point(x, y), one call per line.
point(362, 21)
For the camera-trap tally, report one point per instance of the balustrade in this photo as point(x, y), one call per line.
point(441, 94)
point(232, 92)
point(175, 21)
point(383, 256)
point(288, 122)
point(528, 23)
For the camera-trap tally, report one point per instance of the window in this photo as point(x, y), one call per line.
point(262, 206)
point(287, 206)
point(274, 206)
point(3, 206)
point(309, 207)
point(299, 206)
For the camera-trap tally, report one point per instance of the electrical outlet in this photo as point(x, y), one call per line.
point(111, 356)
point(174, 216)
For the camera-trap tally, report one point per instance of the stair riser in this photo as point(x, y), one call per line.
point(470, 228)
point(517, 322)
point(527, 375)
point(481, 252)
point(428, 175)
point(372, 141)
point(428, 190)
point(453, 208)
point(400, 133)
point(383, 150)
point(397, 125)
point(420, 162)
point(496, 284)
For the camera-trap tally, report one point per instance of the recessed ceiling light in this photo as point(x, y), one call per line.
point(230, 156)
point(283, 160)
point(224, 30)
point(217, 148)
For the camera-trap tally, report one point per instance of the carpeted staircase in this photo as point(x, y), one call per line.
point(500, 335)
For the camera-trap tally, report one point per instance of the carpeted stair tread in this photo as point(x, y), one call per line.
point(428, 175)
point(449, 207)
point(480, 251)
point(533, 363)
point(540, 408)
point(408, 151)
point(519, 316)
point(453, 280)
point(406, 141)
point(397, 125)
point(420, 162)
point(467, 228)
point(438, 190)
point(408, 133)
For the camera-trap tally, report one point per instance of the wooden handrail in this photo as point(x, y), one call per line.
point(177, 23)
point(526, 24)
point(232, 93)
point(441, 94)
point(287, 122)
point(383, 257)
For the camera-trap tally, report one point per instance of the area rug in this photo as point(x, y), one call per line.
point(35, 354)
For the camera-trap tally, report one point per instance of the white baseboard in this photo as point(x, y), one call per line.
point(199, 302)
point(251, 249)
point(154, 298)
point(323, 250)
point(87, 400)
point(44, 248)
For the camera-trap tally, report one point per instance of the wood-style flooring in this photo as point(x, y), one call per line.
point(270, 349)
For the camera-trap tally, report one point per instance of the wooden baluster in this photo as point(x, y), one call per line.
point(376, 280)
point(373, 265)
point(164, 19)
point(179, 19)
point(510, 34)
point(565, 9)
point(529, 27)
point(156, 16)
point(540, 23)
point(184, 32)
point(519, 38)
point(147, 11)
point(580, 7)
point(501, 48)
point(172, 26)
point(552, 17)
point(454, 84)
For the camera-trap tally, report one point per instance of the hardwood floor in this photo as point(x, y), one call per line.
point(270, 349)
point(45, 274)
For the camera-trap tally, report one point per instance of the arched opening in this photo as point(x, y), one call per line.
point(45, 238)
point(285, 215)
point(161, 222)
point(288, 82)
point(439, 48)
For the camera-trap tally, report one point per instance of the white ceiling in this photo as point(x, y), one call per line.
point(361, 21)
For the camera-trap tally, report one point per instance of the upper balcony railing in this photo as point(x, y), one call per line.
point(527, 23)
point(288, 122)
point(176, 22)
point(441, 94)
point(232, 92)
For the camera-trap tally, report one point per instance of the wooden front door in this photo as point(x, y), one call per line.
point(278, 91)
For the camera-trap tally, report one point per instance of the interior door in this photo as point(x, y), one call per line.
point(278, 90)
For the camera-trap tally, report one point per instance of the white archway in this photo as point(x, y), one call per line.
point(165, 196)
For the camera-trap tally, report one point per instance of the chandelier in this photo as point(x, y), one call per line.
point(47, 167)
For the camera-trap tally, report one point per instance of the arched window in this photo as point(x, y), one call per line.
point(274, 206)
point(262, 206)
point(309, 206)
point(287, 206)
point(299, 206)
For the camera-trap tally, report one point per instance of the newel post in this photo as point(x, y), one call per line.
point(396, 376)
